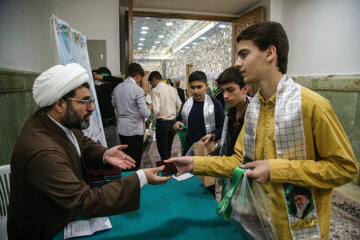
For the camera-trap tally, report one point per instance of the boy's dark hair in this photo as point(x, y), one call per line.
point(266, 34)
point(134, 69)
point(198, 76)
point(231, 75)
point(156, 75)
point(102, 70)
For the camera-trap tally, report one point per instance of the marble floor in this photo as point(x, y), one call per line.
point(345, 211)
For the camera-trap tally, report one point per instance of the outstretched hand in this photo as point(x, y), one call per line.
point(152, 175)
point(183, 164)
point(261, 171)
point(207, 138)
point(117, 158)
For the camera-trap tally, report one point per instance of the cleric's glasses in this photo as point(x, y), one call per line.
point(88, 101)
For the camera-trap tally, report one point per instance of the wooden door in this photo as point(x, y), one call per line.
point(189, 70)
point(240, 24)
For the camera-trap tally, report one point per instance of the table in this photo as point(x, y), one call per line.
point(176, 210)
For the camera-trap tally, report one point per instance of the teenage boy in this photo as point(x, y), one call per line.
point(234, 90)
point(291, 139)
point(132, 109)
point(201, 114)
point(167, 104)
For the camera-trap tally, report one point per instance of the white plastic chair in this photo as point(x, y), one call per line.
point(4, 199)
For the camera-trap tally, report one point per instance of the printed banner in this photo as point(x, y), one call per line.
point(72, 47)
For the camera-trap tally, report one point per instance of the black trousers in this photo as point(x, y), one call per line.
point(135, 147)
point(164, 137)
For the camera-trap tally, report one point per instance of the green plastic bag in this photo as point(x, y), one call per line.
point(247, 206)
point(182, 136)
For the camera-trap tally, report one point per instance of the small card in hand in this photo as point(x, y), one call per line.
point(169, 169)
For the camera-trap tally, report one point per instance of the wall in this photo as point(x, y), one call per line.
point(211, 56)
point(324, 35)
point(97, 20)
point(151, 65)
point(25, 34)
point(25, 51)
point(324, 41)
point(343, 92)
point(16, 104)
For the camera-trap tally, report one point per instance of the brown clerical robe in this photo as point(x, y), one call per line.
point(48, 186)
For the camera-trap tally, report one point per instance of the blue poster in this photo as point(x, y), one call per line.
point(71, 45)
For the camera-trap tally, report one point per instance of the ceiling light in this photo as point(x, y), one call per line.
point(169, 24)
point(181, 51)
point(198, 34)
point(222, 26)
point(144, 28)
point(203, 38)
point(157, 42)
point(187, 47)
point(140, 44)
point(139, 48)
point(194, 43)
point(161, 36)
point(143, 32)
point(142, 39)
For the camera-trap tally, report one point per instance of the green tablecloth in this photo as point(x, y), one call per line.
point(176, 210)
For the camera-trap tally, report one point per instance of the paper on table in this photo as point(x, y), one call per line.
point(86, 227)
point(183, 177)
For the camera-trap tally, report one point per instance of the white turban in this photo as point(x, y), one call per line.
point(57, 81)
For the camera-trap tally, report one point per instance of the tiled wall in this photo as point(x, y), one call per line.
point(151, 66)
point(343, 92)
point(211, 56)
point(16, 104)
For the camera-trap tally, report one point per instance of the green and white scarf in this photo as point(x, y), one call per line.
point(208, 111)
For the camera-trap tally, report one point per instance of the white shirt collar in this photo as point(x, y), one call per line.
point(98, 83)
point(66, 130)
point(130, 79)
point(68, 133)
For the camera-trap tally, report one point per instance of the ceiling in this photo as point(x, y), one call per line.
point(161, 41)
point(161, 38)
point(212, 7)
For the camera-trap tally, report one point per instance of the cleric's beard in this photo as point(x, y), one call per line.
point(73, 120)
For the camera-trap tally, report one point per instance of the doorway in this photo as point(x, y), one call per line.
point(211, 66)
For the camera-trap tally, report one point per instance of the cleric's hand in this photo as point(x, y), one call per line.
point(117, 158)
point(261, 171)
point(152, 175)
point(183, 164)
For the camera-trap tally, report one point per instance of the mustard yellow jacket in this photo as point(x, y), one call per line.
point(330, 159)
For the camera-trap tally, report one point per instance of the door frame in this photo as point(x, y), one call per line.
point(130, 14)
point(257, 13)
point(188, 72)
